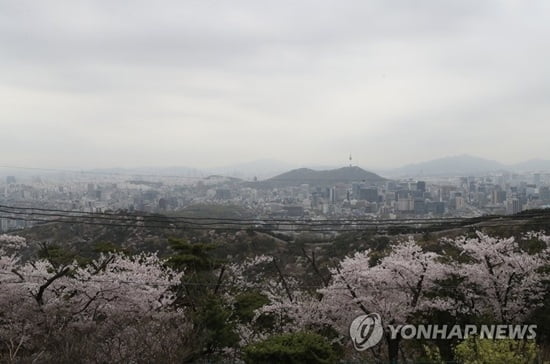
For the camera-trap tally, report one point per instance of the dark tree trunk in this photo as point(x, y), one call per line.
point(446, 350)
point(393, 349)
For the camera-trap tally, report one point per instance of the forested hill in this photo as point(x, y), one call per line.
point(150, 232)
point(300, 176)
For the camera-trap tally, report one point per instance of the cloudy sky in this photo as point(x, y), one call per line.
point(210, 83)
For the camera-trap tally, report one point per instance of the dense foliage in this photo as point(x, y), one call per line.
point(484, 351)
point(296, 348)
point(193, 306)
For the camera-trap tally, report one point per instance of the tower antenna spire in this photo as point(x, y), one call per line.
point(350, 159)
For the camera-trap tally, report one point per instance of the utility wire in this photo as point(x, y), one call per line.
point(330, 228)
point(225, 219)
point(295, 228)
point(147, 222)
point(216, 221)
point(164, 218)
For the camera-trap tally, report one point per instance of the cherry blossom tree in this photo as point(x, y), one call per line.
point(124, 308)
point(12, 242)
point(501, 280)
point(395, 288)
point(104, 306)
point(493, 273)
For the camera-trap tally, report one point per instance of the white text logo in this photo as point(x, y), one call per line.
point(366, 331)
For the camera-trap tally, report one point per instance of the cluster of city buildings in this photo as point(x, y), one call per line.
point(406, 198)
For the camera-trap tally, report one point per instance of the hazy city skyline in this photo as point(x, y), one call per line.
point(200, 83)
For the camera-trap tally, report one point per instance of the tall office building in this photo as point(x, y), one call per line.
point(513, 206)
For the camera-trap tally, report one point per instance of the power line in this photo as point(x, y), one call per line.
point(220, 224)
point(329, 228)
point(274, 220)
point(197, 223)
point(296, 228)
point(164, 218)
point(122, 213)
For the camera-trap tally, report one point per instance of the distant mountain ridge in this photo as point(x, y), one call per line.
point(532, 165)
point(455, 165)
point(265, 169)
point(466, 165)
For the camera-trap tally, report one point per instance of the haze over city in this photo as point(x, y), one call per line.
point(207, 84)
point(251, 181)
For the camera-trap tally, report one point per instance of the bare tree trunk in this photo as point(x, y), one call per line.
point(220, 279)
point(283, 281)
point(446, 350)
point(314, 266)
point(393, 349)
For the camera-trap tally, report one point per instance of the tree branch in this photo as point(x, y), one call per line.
point(314, 266)
point(353, 294)
point(40, 295)
point(283, 280)
point(220, 278)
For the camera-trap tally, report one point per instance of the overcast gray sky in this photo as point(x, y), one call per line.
point(209, 83)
